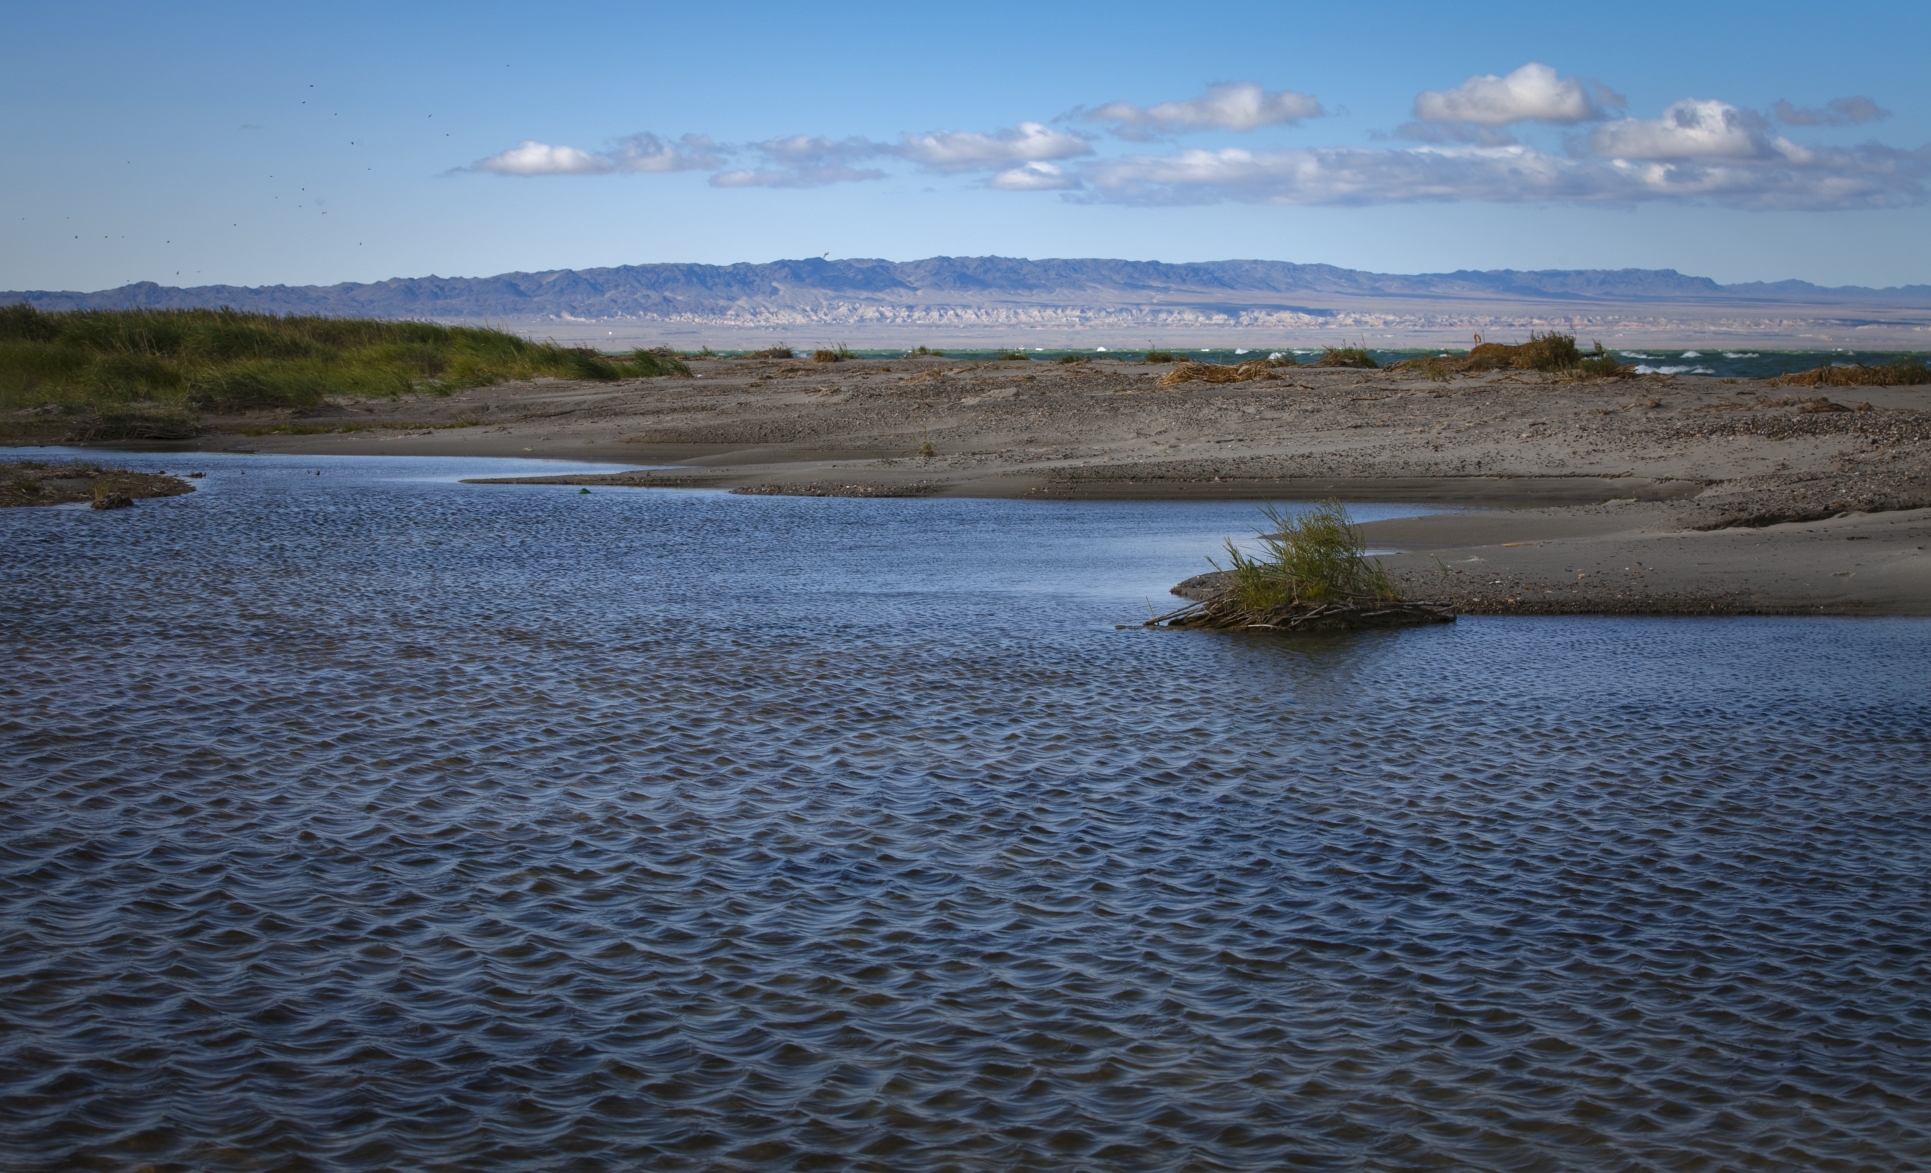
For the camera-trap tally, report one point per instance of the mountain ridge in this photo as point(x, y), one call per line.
point(682, 290)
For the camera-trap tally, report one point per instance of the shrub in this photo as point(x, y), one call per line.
point(1312, 557)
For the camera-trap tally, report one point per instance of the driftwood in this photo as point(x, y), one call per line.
point(1224, 611)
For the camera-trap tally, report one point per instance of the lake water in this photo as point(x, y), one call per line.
point(370, 820)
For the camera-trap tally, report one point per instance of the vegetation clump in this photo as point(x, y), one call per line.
point(1156, 356)
point(1542, 352)
point(1910, 371)
point(1552, 353)
point(1347, 356)
point(145, 373)
point(1012, 356)
point(839, 353)
point(1600, 364)
point(1209, 372)
point(924, 351)
point(1312, 574)
point(778, 351)
point(656, 361)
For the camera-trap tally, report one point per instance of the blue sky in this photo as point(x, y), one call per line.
point(201, 143)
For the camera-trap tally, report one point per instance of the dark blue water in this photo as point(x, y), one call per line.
point(370, 820)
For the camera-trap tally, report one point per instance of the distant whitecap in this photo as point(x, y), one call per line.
point(1737, 354)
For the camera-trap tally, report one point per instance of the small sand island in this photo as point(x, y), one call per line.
point(1312, 574)
point(31, 482)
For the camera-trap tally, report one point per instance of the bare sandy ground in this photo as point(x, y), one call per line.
point(1644, 495)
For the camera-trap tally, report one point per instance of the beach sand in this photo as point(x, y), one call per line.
point(1649, 495)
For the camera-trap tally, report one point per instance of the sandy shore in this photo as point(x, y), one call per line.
point(1722, 495)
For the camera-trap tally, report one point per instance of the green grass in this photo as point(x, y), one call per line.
point(163, 366)
point(658, 360)
point(1012, 356)
point(1315, 556)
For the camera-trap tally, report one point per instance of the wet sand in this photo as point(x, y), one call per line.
point(1724, 495)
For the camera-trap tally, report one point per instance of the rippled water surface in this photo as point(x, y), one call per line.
point(370, 820)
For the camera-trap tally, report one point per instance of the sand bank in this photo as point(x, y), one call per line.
point(1734, 495)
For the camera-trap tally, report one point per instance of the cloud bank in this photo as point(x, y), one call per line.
point(1697, 150)
point(1863, 177)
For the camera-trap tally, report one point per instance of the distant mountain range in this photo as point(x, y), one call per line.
point(1002, 295)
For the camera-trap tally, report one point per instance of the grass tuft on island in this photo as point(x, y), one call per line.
point(146, 374)
point(1312, 574)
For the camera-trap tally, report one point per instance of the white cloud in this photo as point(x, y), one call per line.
point(1532, 93)
point(802, 160)
point(1837, 112)
point(1034, 176)
point(1864, 177)
point(1699, 150)
point(1239, 105)
point(638, 152)
point(530, 157)
point(958, 150)
point(1690, 129)
point(647, 152)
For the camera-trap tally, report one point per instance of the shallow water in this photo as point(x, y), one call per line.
point(371, 820)
point(1745, 363)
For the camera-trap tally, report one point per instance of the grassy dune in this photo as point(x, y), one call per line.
point(151, 371)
